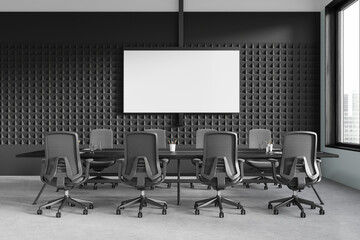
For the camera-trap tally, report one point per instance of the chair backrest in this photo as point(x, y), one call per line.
point(220, 155)
point(257, 138)
point(141, 155)
point(102, 137)
point(60, 145)
point(298, 144)
point(200, 136)
point(161, 136)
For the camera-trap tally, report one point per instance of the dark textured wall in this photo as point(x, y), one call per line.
point(63, 71)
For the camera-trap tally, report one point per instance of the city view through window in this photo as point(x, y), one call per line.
point(350, 130)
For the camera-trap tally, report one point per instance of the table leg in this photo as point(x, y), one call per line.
point(321, 202)
point(178, 181)
point(39, 194)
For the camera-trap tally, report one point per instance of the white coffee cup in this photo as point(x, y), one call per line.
point(172, 147)
point(269, 148)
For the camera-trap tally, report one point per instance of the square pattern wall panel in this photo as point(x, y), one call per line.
point(78, 87)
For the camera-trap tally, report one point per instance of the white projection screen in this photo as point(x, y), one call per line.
point(181, 81)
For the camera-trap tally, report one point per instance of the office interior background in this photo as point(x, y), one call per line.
point(61, 70)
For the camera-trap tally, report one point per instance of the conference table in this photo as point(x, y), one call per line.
point(179, 155)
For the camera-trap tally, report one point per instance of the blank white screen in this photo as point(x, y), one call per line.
point(181, 81)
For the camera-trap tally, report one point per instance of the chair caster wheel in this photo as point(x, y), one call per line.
point(169, 185)
point(95, 187)
point(266, 188)
point(209, 188)
point(276, 212)
point(221, 215)
point(165, 206)
point(243, 212)
point(322, 211)
point(191, 185)
point(113, 185)
point(118, 212)
point(85, 212)
point(280, 186)
point(313, 207)
point(163, 212)
point(247, 185)
point(72, 205)
point(48, 207)
point(197, 211)
point(302, 214)
point(270, 206)
point(152, 188)
point(288, 205)
point(91, 206)
point(58, 215)
point(196, 206)
point(140, 215)
point(85, 184)
point(39, 212)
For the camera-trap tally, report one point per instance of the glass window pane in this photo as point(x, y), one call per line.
point(350, 75)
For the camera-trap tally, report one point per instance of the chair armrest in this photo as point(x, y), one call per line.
point(318, 165)
point(164, 165)
point(164, 160)
point(88, 160)
point(302, 160)
point(273, 162)
point(241, 161)
point(87, 168)
point(42, 172)
point(120, 161)
point(197, 162)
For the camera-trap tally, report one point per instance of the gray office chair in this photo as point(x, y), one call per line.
point(258, 139)
point(141, 169)
point(298, 168)
point(199, 144)
point(62, 169)
point(161, 134)
point(219, 168)
point(101, 139)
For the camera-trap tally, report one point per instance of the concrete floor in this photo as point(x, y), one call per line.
point(18, 218)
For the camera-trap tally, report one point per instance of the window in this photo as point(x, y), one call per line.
point(342, 101)
point(348, 74)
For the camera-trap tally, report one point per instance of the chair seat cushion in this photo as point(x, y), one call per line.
point(68, 183)
point(148, 182)
point(213, 182)
point(99, 164)
point(260, 164)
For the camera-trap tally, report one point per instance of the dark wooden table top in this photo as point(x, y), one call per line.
point(180, 153)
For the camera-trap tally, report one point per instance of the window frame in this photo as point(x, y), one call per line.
point(334, 75)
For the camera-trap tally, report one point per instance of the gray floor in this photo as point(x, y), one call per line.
point(18, 219)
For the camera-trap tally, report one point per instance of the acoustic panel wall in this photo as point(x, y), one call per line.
point(78, 87)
